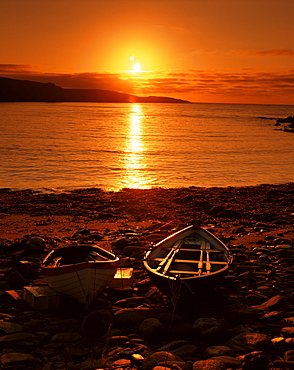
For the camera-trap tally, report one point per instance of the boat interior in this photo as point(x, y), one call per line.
point(188, 257)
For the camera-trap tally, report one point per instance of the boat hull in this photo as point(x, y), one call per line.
point(81, 281)
point(192, 267)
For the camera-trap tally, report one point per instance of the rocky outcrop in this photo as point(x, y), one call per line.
point(12, 90)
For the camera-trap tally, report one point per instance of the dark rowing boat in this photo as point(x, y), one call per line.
point(187, 262)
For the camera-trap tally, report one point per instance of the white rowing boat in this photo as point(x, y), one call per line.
point(79, 271)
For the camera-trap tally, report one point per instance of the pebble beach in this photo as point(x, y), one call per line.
point(247, 322)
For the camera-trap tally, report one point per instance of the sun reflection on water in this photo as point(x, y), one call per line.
point(134, 160)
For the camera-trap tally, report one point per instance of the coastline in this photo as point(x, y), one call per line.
point(25, 212)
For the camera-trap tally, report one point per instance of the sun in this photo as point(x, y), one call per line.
point(137, 67)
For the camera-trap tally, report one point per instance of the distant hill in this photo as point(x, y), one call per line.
point(12, 90)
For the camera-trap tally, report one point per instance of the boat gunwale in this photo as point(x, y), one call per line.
point(187, 278)
point(51, 270)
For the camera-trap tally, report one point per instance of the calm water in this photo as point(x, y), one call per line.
point(114, 146)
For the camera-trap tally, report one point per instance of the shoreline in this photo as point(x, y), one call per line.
point(25, 212)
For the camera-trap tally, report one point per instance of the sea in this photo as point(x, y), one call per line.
point(113, 146)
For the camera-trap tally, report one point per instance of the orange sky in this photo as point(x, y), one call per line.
point(238, 51)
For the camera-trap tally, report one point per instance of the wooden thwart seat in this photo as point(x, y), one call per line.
point(189, 261)
point(204, 262)
point(195, 250)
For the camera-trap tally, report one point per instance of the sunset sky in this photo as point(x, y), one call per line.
point(223, 51)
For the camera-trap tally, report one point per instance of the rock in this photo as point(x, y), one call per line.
point(288, 332)
point(254, 299)
point(247, 342)
point(26, 269)
point(209, 328)
point(14, 360)
point(151, 361)
point(288, 321)
point(173, 345)
point(67, 337)
point(15, 279)
point(271, 317)
point(218, 351)
point(127, 317)
point(34, 245)
point(273, 304)
point(289, 355)
point(209, 365)
point(175, 365)
point(8, 341)
point(188, 352)
point(282, 364)
point(170, 318)
point(116, 340)
point(134, 251)
point(76, 354)
point(255, 360)
point(229, 361)
point(131, 302)
point(151, 329)
point(9, 328)
point(88, 364)
point(96, 324)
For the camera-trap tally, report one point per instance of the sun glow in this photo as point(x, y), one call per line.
point(137, 67)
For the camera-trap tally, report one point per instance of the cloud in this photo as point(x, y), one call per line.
point(264, 53)
point(273, 52)
point(17, 68)
point(242, 85)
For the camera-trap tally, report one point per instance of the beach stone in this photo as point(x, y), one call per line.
point(229, 361)
point(169, 318)
point(247, 342)
point(4, 285)
point(151, 328)
point(255, 360)
point(183, 329)
point(214, 351)
point(8, 341)
point(173, 345)
point(273, 304)
point(254, 299)
point(238, 314)
point(34, 245)
point(209, 328)
point(96, 324)
point(188, 352)
point(27, 269)
point(131, 302)
point(67, 337)
point(15, 279)
point(282, 364)
point(288, 332)
point(117, 340)
point(134, 251)
point(175, 365)
point(9, 328)
point(209, 365)
point(271, 317)
point(288, 321)
point(289, 355)
point(127, 317)
point(88, 364)
point(121, 363)
point(161, 356)
point(120, 243)
point(14, 360)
